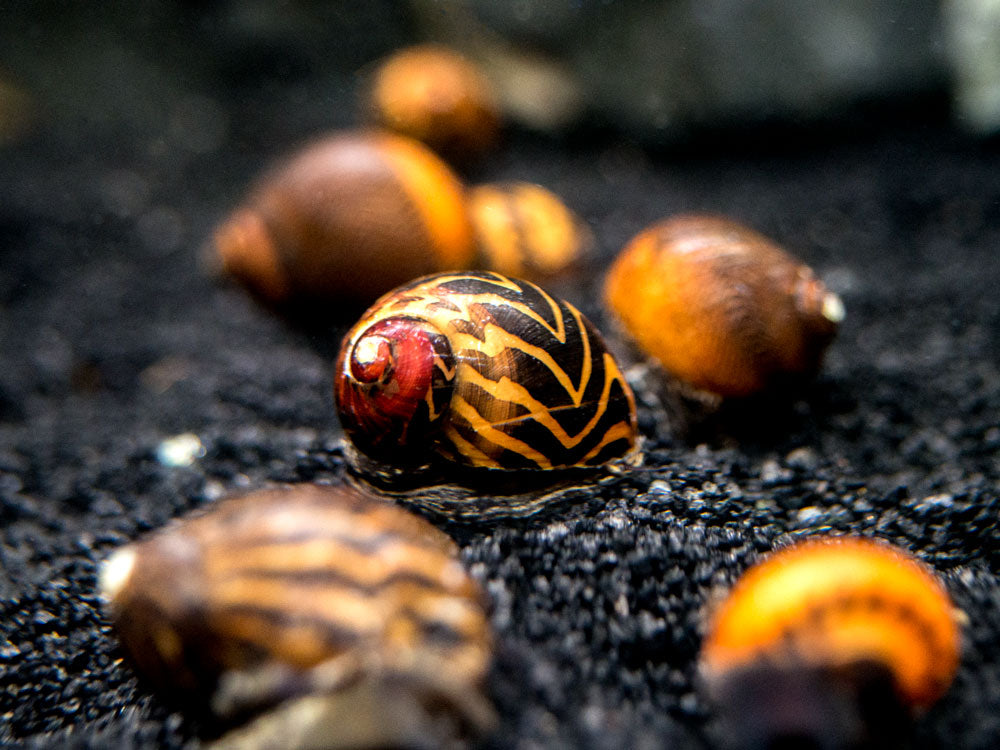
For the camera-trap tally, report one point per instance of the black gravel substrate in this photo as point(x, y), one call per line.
point(114, 337)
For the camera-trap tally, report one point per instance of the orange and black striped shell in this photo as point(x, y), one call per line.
point(485, 371)
point(720, 306)
point(346, 219)
point(833, 603)
point(290, 583)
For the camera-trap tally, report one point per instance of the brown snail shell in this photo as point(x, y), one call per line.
point(481, 371)
point(306, 592)
point(720, 306)
point(526, 231)
point(437, 96)
point(346, 219)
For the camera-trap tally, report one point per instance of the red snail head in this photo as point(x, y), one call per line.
point(391, 386)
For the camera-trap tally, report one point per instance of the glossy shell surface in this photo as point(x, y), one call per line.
point(509, 378)
point(527, 231)
point(836, 602)
point(720, 306)
point(437, 96)
point(291, 584)
point(346, 219)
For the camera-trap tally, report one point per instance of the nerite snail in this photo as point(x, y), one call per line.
point(344, 619)
point(831, 637)
point(346, 219)
point(437, 96)
point(721, 307)
point(525, 230)
point(484, 372)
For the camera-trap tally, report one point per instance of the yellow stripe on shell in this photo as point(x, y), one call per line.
point(289, 558)
point(499, 340)
point(422, 304)
point(507, 390)
point(617, 431)
point(341, 606)
point(486, 431)
point(471, 452)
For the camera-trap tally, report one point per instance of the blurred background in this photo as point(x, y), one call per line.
point(198, 76)
point(143, 94)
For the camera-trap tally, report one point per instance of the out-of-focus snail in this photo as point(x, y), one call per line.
point(831, 640)
point(437, 96)
point(333, 617)
point(526, 231)
point(346, 219)
point(481, 371)
point(721, 307)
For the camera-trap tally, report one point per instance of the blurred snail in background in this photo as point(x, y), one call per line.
point(351, 216)
point(333, 617)
point(526, 231)
point(835, 643)
point(481, 371)
point(721, 307)
point(437, 96)
point(346, 219)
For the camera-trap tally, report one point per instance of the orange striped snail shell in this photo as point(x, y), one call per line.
point(483, 371)
point(526, 231)
point(720, 306)
point(831, 610)
point(346, 219)
point(437, 96)
point(306, 599)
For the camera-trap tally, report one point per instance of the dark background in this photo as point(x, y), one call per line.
point(133, 135)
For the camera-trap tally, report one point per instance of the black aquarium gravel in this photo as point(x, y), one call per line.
point(115, 337)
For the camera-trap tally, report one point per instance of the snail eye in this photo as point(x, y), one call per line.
point(372, 359)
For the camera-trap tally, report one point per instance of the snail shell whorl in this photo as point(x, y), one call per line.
point(533, 386)
point(720, 306)
point(393, 385)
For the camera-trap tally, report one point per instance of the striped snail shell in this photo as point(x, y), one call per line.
point(346, 219)
point(324, 594)
point(484, 371)
point(720, 306)
point(526, 231)
point(828, 611)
